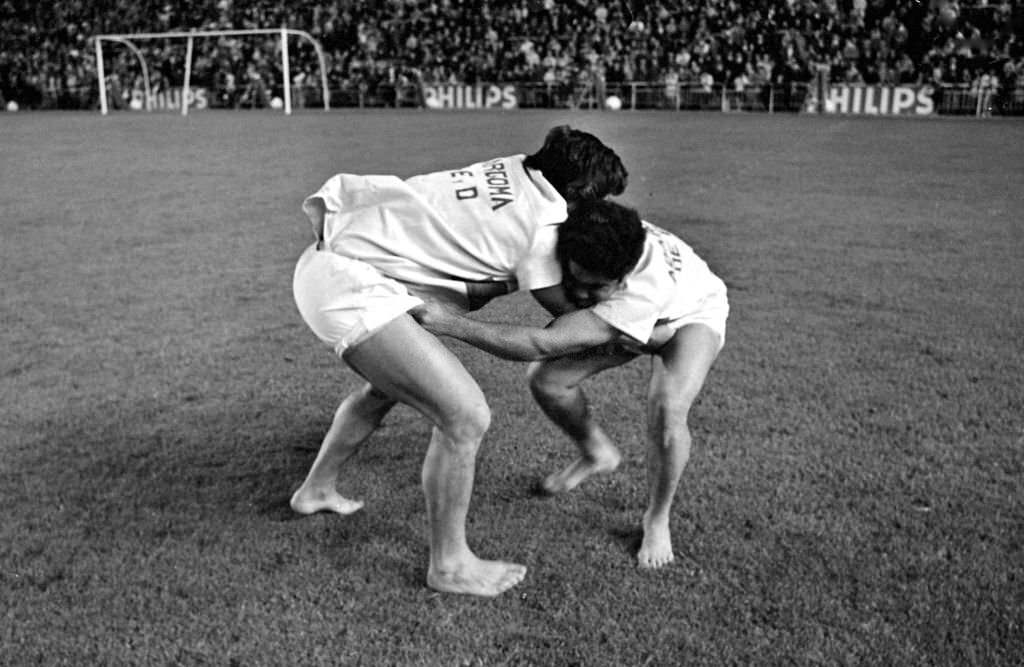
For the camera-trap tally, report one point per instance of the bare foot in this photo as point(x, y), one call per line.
point(477, 577)
point(656, 548)
point(605, 461)
point(312, 500)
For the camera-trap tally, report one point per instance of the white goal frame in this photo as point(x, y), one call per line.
point(127, 40)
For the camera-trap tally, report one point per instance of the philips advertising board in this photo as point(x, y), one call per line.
point(879, 100)
point(480, 96)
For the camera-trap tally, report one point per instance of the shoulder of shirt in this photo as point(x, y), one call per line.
point(650, 258)
point(650, 269)
point(512, 159)
point(543, 185)
point(661, 230)
point(657, 228)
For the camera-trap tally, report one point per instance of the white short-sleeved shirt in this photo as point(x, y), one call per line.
point(494, 220)
point(670, 284)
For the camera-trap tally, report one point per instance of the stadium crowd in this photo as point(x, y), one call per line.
point(47, 55)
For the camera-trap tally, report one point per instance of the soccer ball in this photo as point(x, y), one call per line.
point(12, 106)
point(276, 103)
point(614, 103)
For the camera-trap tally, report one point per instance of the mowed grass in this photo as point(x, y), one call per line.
point(856, 490)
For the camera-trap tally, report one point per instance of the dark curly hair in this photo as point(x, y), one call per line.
point(579, 165)
point(603, 237)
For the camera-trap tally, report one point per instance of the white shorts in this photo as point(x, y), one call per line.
point(712, 312)
point(345, 301)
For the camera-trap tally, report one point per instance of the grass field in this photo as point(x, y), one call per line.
point(856, 492)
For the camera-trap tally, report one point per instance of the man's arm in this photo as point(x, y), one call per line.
point(573, 332)
point(553, 300)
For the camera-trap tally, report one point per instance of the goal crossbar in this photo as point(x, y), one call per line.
point(127, 40)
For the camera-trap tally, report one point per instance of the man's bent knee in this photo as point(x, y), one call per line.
point(670, 418)
point(467, 425)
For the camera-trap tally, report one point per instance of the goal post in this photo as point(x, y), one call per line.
point(129, 38)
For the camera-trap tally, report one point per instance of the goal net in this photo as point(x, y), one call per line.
point(128, 40)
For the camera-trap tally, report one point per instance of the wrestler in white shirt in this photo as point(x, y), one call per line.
point(457, 236)
point(638, 290)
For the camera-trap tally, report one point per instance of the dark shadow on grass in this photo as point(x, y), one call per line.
point(384, 549)
point(148, 453)
point(628, 537)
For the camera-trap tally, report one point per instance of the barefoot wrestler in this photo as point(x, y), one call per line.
point(638, 290)
point(460, 237)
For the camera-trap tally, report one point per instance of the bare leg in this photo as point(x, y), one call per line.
point(354, 420)
point(406, 362)
point(677, 377)
point(448, 473)
point(556, 387)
